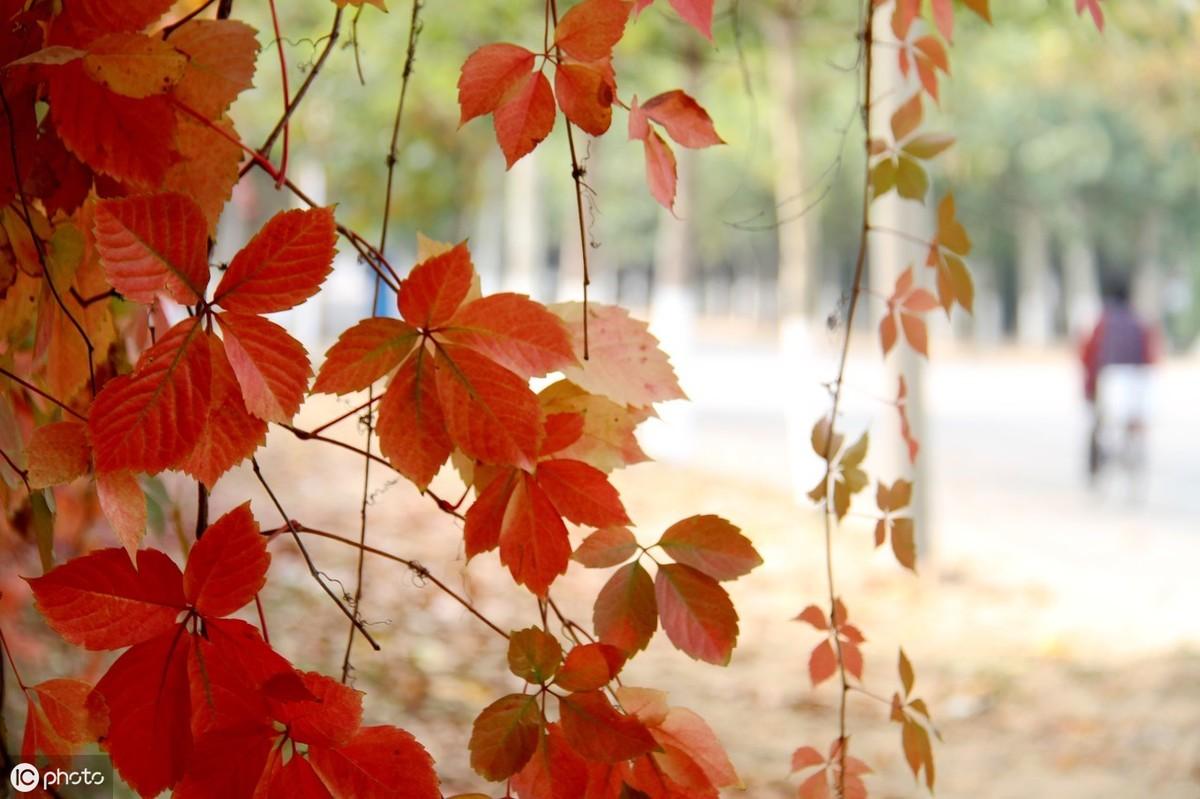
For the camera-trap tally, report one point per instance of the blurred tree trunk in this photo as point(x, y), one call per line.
point(1033, 279)
point(794, 238)
point(1081, 285)
point(524, 240)
point(888, 256)
point(1148, 271)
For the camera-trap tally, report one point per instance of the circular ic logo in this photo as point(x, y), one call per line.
point(24, 777)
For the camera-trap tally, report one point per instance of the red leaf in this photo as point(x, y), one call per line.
point(98, 600)
point(598, 732)
point(271, 367)
point(806, 757)
point(554, 772)
point(57, 453)
point(822, 663)
point(489, 76)
point(377, 763)
point(581, 493)
point(696, 613)
point(490, 412)
point(127, 139)
point(147, 694)
point(589, 667)
point(590, 29)
point(435, 288)
point(690, 746)
point(363, 354)
point(525, 118)
point(221, 57)
point(230, 433)
point(94, 16)
point(610, 546)
point(607, 440)
point(58, 721)
point(148, 420)
point(153, 243)
point(282, 266)
point(505, 736)
point(814, 616)
point(712, 545)
point(124, 505)
point(1093, 7)
point(685, 120)
point(411, 428)
point(208, 165)
point(515, 332)
point(626, 613)
point(485, 518)
point(331, 719)
point(533, 541)
point(624, 360)
point(561, 431)
point(228, 565)
point(661, 174)
point(585, 93)
point(943, 17)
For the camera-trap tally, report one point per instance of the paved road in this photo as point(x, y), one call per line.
point(1003, 463)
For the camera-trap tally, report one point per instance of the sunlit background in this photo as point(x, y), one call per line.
point(1053, 622)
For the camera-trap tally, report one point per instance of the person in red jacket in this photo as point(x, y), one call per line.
point(1115, 360)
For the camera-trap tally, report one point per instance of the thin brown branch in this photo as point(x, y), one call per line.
point(42, 394)
point(22, 473)
point(577, 174)
point(370, 401)
point(312, 567)
point(867, 43)
point(419, 570)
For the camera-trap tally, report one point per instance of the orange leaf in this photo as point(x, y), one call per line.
point(696, 613)
point(271, 367)
point(661, 174)
point(712, 545)
point(915, 333)
point(365, 353)
point(514, 331)
point(221, 57)
point(907, 117)
point(436, 287)
point(58, 722)
point(626, 612)
point(525, 118)
point(208, 166)
point(554, 772)
point(610, 546)
point(684, 118)
point(590, 29)
point(134, 65)
point(585, 94)
point(58, 453)
point(485, 517)
point(282, 266)
point(624, 360)
point(148, 420)
point(124, 505)
point(490, 413)
point(533, 541)
point(822, 663)
point(411, 428)
point(153, 243)
point(589, 667)
point(230, 433)
point(598, 732)
point(904, 543)
point(887, 333)
point(489, 76)
point(581, 493)
point(815, 616)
